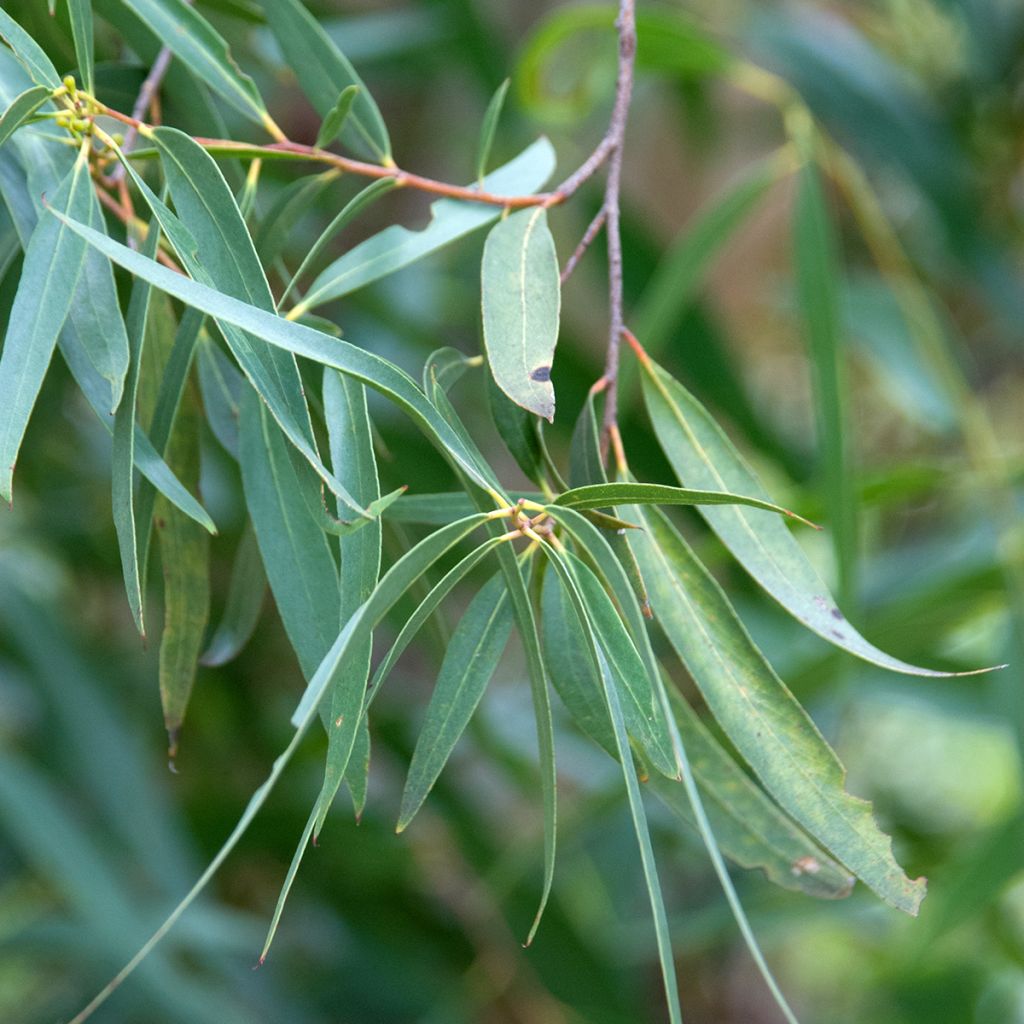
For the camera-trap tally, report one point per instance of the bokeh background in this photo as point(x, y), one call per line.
point(98, 839)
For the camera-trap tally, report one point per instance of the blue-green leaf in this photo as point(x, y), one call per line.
point(23, 106)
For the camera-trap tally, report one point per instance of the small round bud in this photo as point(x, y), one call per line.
point(69, 83)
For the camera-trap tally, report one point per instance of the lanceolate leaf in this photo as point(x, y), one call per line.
point(625, 493)
point(334, 120)
point(521, 303)
point(519, 431)
point(470, 659)
point(396, 247)
point(289, 207)
point(81, 30)
point(488, 128)
point(24, 106)
point(702, 456)
point(378, 373)
point(53, 261)
point(323, 72)
point(759, 715)
point(585, 463)
point(202, 50)
point(817, 278)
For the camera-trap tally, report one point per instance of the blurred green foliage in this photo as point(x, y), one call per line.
point(98, 839)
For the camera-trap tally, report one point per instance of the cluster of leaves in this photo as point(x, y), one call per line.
point(606, 596)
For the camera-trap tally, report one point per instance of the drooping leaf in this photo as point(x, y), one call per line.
point(49, 274)
point(488, 127)
point(334, 120)
point(280, 219)
point(470, 660)
point(324, 72)
point(22, 108)
point(222, 387)
point(203, 51)
point(450, 219)
point(702, 456)
point(122, 463)
point(519, 431)
point(760, 716)
point(246, 593)
point(586, 466)
point(29, 53)
point(184, 555)
point(521, 304)
point(80, 12)
point(372, 370)
point(817, 279)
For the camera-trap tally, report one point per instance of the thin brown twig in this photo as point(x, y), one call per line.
point(129, 219)
point(588, 237)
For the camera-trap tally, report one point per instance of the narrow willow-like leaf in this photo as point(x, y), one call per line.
point(227, 259)
point(285, 212)
point(334, 120)
point(246, 592)
point(53, 261)
point(184, 555)
point(347, 213)
point(372, 370)
point(470, 660)
point(817, 280)
point(203, 51)
point(450, 219)
point(296, 553)
point(702, 456)
point(760, 716)
point(749, 827)
point(521, 304)
point(636, 805)
point(29, 53)
point(488, 128)
point(323, 72)
point(351, 442)
point(122, 462)
point(519, 431)
point(586, 466)
point(80, 12)
point(23, 107)
point(626, 493)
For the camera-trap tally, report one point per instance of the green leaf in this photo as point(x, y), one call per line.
point(488, 128)
point(627, 493)
point(122, 463)
point(222, 387)
point(702, 456)
point(22, 107)
point(296, 553)
point(29, 53)
point(759, 715)
point(246, 592)
point(53, 261)
point(335, 119)
point(470, 660)
point(396, 247)
point(348, 212)
point(749, 827)
point(324, 72)
point(521, 304)
point(184, 555)
point(586, 466)
point(80, 12)
point(592, 634)
point(378, 373)
point(519, 431)
point(817, 279)
point(203, 51)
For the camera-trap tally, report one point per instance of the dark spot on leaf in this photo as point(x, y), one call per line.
point(837, 634)
point(836, 613)
point(542, 374)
